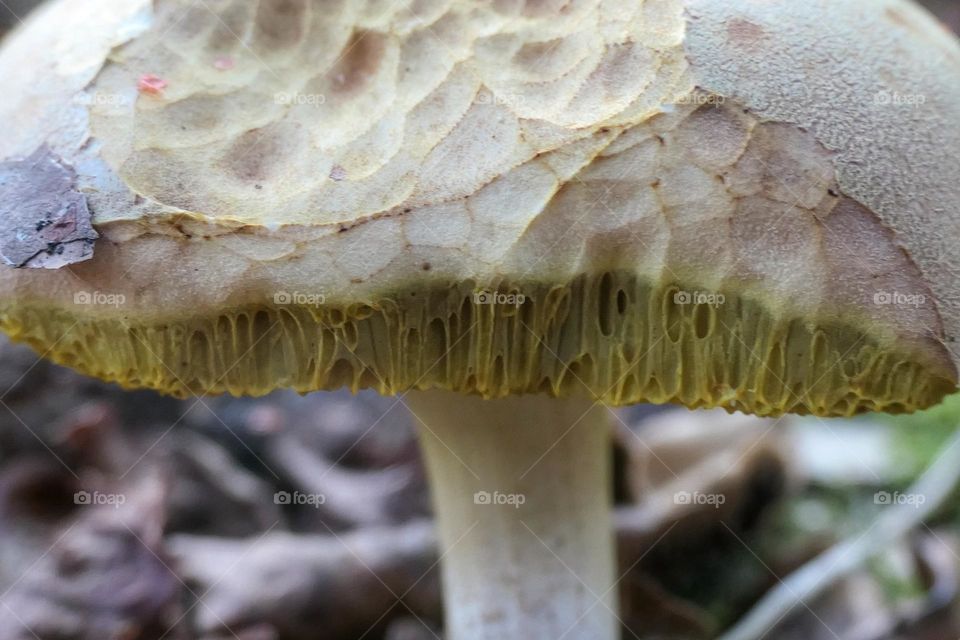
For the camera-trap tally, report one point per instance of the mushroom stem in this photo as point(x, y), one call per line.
point(522, 492)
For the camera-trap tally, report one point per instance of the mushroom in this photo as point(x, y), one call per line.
point(511, 215)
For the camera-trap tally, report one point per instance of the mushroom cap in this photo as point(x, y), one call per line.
point(738, 203)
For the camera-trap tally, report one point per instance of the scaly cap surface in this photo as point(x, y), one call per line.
point(743, 204)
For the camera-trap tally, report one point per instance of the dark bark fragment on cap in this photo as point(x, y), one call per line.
point(44, 220)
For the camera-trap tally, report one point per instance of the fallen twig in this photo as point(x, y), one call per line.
point(935, 486)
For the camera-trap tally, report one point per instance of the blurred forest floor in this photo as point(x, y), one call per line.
point(133, 516)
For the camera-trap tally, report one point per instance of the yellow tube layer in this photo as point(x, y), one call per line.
point(609, 336)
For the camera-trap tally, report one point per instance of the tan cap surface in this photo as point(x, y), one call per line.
point(744, 204)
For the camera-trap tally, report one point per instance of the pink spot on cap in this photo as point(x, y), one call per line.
point(224, 63)
point(338, 173)
point(152, 84)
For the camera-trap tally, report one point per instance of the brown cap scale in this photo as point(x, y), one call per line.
point(529, 208)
